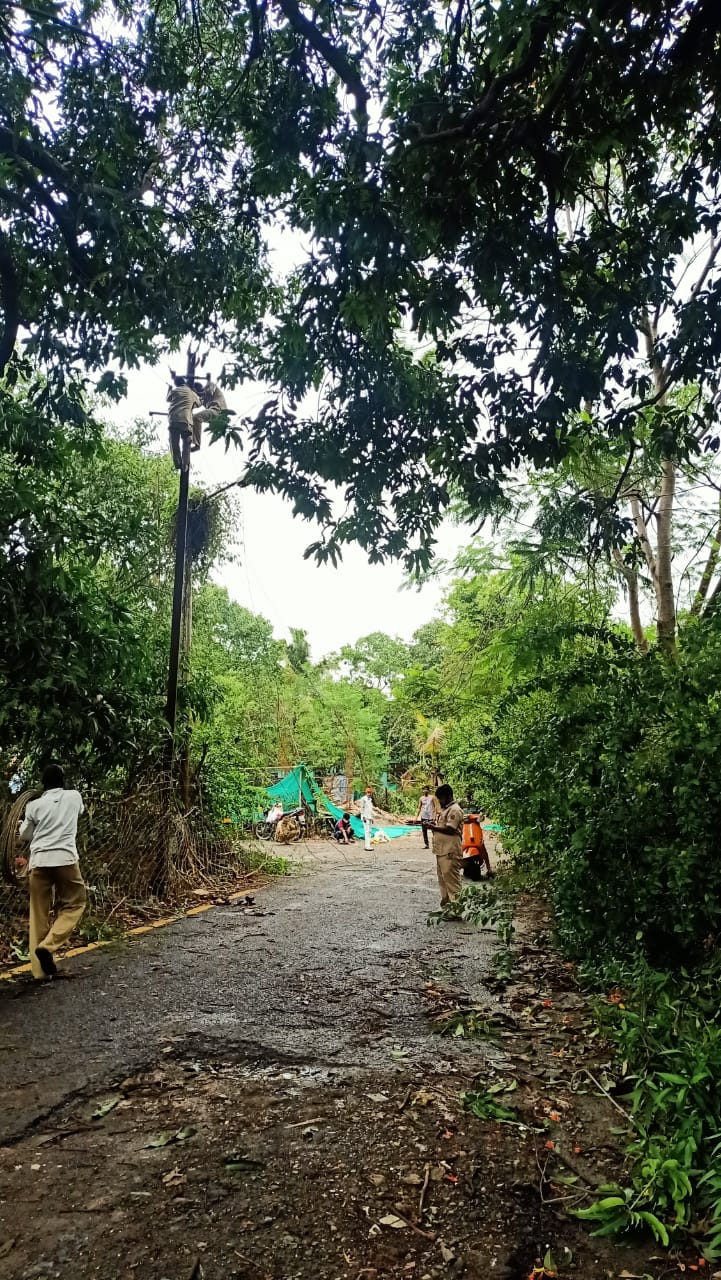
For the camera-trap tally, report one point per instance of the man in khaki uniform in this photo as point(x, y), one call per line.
point(448, 844)
point(214, 402)
point(182, 399)
point(51, 825)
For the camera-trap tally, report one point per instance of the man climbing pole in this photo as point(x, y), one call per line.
point(213, 401)
point(182, 399)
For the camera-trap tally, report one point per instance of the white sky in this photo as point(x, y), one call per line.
point(335, 606)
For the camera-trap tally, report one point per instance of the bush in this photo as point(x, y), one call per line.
point(604, 771)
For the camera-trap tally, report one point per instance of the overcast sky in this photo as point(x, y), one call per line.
point(335, 606)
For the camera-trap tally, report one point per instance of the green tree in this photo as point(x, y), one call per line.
point(121, 233)
point(499, 198)
point(376, 660)
point(298, 650)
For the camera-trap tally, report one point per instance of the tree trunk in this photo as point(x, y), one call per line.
point(666, 621)
point(645, 541)
point(349, 765)
point(186, 640)
point(709, 569)
point(634, 607)
point(663, 578)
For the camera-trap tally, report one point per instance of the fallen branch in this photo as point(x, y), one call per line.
point(613, 1102)
point(424, 1188)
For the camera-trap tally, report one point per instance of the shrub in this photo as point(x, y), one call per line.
point(603, 768)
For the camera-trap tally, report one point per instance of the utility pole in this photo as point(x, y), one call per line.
point(180, 581)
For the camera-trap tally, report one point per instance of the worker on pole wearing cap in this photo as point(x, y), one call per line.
point(366, 813)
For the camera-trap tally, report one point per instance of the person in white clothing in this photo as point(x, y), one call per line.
point(428, 808)
point(50, 826)
point(366, 813)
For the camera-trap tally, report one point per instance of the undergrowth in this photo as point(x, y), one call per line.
point(488, 906)
point(665, 1027)
point(257, 858)
point(666, 1030)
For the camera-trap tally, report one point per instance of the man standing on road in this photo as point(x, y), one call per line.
point(448, 844)
point(366, 813)
point(427, 809)
point(51, 826)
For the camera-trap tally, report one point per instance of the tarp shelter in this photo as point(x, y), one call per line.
point(296, 786)
point(300, 781)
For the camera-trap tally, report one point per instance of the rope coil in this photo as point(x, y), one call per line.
point(9, 844)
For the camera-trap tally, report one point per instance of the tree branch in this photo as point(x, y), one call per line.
point(338, 60)
point(477, 115)
point(10, 293)
point(645, 541)
point(37, 157)
point(634, 607)
point(709, 569)
point(55, 21)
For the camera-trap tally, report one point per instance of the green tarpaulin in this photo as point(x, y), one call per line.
point(300, 781)
point(290, 788)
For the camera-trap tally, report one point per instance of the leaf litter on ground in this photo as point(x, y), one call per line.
point(167, 1137)
point(106, 1107)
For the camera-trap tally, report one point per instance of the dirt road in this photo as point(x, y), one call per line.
point(258, 1094)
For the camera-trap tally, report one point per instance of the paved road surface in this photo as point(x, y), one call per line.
point(332, 974)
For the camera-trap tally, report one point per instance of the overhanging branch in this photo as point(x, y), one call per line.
point(337, 59)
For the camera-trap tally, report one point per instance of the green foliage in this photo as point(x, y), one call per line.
point(464, 1024)
point(93, 929)
point(669, 1046)
point(84, 526)
point(118, 236)
point(134, 215)
point(487, 907)
point(484, 1104)
point(616, 1214)
point(376, 661)
point(601, 768)
point(256, 858)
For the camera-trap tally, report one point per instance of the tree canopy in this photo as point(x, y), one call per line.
point(496, 198)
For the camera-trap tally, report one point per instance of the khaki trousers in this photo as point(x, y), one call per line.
point(448, 866)
point(207, 415)
point(177, 434)
point(68, 888)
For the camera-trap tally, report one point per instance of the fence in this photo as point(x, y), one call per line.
point(139, 854)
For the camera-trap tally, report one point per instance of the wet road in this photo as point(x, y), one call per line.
point(332, 972)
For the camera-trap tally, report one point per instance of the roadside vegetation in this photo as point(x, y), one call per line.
point(511, 315)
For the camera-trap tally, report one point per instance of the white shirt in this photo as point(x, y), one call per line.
point(366, 808)
point(51, 826)
point(428, 808)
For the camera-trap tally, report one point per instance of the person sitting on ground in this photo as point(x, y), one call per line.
point(343, 832)
point(50, 826)
point(448, 844)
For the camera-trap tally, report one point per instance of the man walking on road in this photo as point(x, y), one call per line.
point(366, 813)
point(427, 809)
point(51, 826)
point(448, 844)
